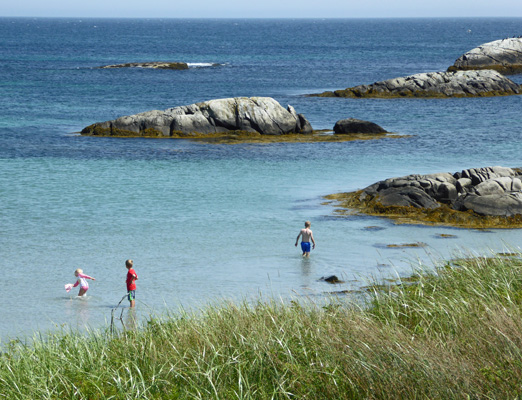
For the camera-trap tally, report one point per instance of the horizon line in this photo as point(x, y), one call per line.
point(259, 18)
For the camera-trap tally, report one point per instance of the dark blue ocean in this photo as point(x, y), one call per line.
point(206, 223)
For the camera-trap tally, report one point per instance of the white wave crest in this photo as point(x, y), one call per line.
point(203, 65)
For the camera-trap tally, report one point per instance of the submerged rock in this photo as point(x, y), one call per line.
point(331, 279)
point(457, 199)
point(404, 245)
point(262, 115)
point(501, 55)
point(352, 125)
point(435, 84)
point(150, 65)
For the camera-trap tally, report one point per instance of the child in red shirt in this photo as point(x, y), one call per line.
point(132, 277)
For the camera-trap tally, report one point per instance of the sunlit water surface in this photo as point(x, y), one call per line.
point(206, 223)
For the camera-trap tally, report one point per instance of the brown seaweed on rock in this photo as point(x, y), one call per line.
point(480, 198)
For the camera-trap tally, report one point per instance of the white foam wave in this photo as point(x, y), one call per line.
point(203, 65)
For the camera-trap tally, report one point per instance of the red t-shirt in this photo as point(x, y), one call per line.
point(131, 276)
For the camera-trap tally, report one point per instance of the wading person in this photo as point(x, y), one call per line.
point(82, 281)
point(131, 279)
point(306, 237)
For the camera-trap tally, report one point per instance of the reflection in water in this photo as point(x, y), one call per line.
point(123, 317)
point(306, 266)
point(130, 321)
point(78, 311)
point(117, 316)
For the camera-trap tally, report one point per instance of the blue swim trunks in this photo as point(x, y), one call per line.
point(305, 246)
point(131, 295)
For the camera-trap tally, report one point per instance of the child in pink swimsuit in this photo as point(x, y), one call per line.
point(82, 281)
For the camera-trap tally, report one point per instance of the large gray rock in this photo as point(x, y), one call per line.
point(502, 204)
point(478, 175)
point(491, 191)
point(410, 196)
point(498, 186)
point(263, 115)
point(436, 84)
point(501, 55)
point(352, 125)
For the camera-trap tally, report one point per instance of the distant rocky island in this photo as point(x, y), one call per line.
point(488, 197)
point(474, 74)
point(232, 120)
point(435, 85)
point(503, 55)
point(262, 115)
point(150, 65)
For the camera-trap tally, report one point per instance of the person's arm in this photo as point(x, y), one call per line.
point(76, 283)
point(312, 239)
point(297, 239)
point(134, 277)
point(86, 276)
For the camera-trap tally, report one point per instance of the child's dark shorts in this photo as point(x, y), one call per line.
point(131, 294)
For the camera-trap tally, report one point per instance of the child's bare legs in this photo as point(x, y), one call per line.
point(132, 303)
point(82, 292)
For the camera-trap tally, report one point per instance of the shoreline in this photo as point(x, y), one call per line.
point(446, 333)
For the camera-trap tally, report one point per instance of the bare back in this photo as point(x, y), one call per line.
point(306, 234)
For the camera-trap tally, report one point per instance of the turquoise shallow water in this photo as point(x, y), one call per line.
point(210, 222)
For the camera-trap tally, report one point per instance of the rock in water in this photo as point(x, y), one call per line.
point(488, 191)
point(262, 115)
point(150, 65)
point(435, 84)
point(501, 55)
point(331, 279)
point(352, 125)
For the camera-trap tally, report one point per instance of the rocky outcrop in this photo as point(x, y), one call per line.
point(150, 65)
point(489, 191)
point(435, 84)
point(352, 125)
point(501, 55)
point(262, 115)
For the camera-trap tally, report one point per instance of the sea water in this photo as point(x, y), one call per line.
point(206, 223)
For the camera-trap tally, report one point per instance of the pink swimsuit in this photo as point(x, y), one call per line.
point(82, 281)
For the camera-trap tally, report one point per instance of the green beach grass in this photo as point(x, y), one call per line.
point(452, 333)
